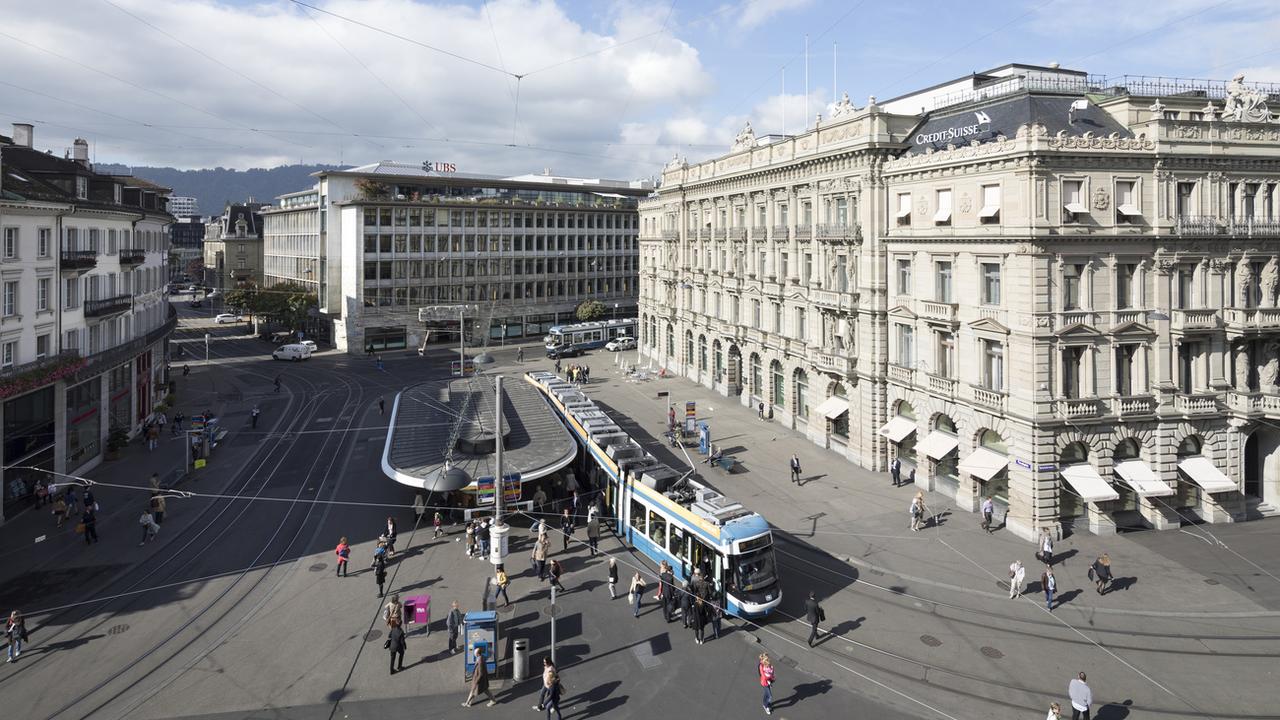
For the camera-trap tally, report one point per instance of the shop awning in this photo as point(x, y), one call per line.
point(1202, 472)
point(898, 428)
point(833, 407)
point(1088, 484)
point(984, 464)
point(937, 444)
point(1138, 476)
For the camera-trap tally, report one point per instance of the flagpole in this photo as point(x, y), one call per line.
point(835, 83)
point(806, 81)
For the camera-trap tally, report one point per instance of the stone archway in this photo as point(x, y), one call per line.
point(733, 377)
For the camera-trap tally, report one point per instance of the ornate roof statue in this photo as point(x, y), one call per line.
point(676, 162)
point(1157, 109)
point(842, 108)
point(745, 140)
point(1245, 104)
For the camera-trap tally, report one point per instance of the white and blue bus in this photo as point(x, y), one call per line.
point(666, 514)
point(590, 334)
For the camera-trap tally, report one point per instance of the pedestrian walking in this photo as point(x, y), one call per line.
point(482, 538)
point(155, 481)
point(686, 604)
point(157, 505)
point(1049, 584)
point(1100, 573)
point(917, 511)
point(153, 436)
point(471, 539)
point(814, 613)
point(988, 509)
point(437, 525)
point(186, 370)
point(716, 614)
point(90, 521)
point(89, 501)
point(895, 471)
point(765, 668)
point(613, 579)
point(176, 426)
point(277, 383)
point(553, 696)
point(161, 421)
point(760, 411)
point(15, 632)
point(539, 499)
point(519, 355)
point(541, 549)
point(500, 575)
point(393, 611)
point(397, 645)
point(556, 571)
point(548, 680)
point(59, 511)
point(566, 528)
point(480, 681)
point(636, 592)
point(253, 416)
point(1055, 712)
point(1046, 548)
point(149, 526)
point(1017, 575)
point(699, 618)
point(453, 623)
point(343, 551)
point(379, 551)
point(382, 406)
point(42, 493)
point(380, 575)
point(391, 537)
point(795, 468)
point(666, 581)
point(1081, 697)
point(593, 532)
point(73, 503)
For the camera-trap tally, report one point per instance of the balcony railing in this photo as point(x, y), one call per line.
point(831, 361)
point(1254, 227)
point(108, 306)
point(1067, 318)
point(804, 232)
point(1199, 319)
point(737, 234)
point(1196, 403)
point(132, 256)
point(781, 232)
point(1072, 408)
point(718, 234)
point(943, 386)
point(670, 234)
point(757, 233)
point(79, 260)
point(1132, 405)
point(1245, 319)
point(1197, 225)
point(934, 310)
point(993, 399)
point(900, 374)
point(837, 231)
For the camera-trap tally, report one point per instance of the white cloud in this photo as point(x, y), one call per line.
point(754, 14)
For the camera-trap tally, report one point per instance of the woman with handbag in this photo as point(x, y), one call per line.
point(16, 633)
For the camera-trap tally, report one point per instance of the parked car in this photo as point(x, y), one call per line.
point(311, 344)
point(292, 351)
point(226, 318)
point(621, 343)
point(563, 351)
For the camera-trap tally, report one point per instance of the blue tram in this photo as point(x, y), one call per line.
point(590, 335)
point(666, 514)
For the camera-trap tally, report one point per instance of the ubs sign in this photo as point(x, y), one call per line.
point(439, 167)
point(981, 124)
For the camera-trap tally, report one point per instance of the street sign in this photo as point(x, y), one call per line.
point(664, 393)
point(1022, 463)
point(1047, 468)
point(485, 489)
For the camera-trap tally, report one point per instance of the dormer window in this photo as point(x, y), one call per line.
point(82, 188)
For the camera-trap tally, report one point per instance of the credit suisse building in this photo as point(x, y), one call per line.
point(1029, 283)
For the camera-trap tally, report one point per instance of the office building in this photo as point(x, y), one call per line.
point(181, 206)
point(186, 247)
point(1032, 284)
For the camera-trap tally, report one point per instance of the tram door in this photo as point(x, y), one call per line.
point(705, 559)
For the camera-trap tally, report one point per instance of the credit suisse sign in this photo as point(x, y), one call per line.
point(956, 132)
point(440, 167)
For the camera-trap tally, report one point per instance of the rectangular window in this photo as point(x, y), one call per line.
point(1125, 274)
point(1127, 202)
point(658, 529)
point(782, 265)
point(944, 360)
point(942, 278)
point(1187, 353)
point(1185, 280)
point(1186, 199)
point(904, 276)
point(903, 215)
point(763, 263)
point(801, 329)
point(842, 278)
point(993, 365)
point(42, 347)
point(777, 317)
point(842, 212)
point(1124, 369)
point(1072, 200)
point(808, 268)
point(10, 243)
point(755, 314)
point(942, 216)
point(7, 352)
point(1072, 279)
point(44, 237)
point(783, 216)
point(42, 294)
point(11, 298)
point(906, 345)
point(990, 283)
point(990, 211)
point(1072, 377)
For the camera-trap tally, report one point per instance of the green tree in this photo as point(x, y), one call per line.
point(589, 310)
point(286, 303)
point(244, 298)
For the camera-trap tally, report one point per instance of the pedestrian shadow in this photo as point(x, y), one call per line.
point(1067, 597)
point(811, 478)
point(1120, 583)
point(1062, 557)
point(63, 645)
point(843, 628)
point(595, 694)
point(804, 691)
point(601, 708)
point(1113, 711)
point(420, 585)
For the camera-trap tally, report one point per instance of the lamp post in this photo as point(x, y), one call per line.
point(206, 349)
point(615, 311)
point(498, 531)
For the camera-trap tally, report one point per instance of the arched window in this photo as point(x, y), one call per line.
point(801, 389)
point(996, 486)
point(779, 385)
point(840, 426)
point(1188, 494)
point(717, 353)
point(991, 440)
point(945, 424)
point(702, 352)
point(1189, 446)
point(688, 347)
point(757, 376)
point(671, 341)
point(1127, 450)
point(905, 410)
point(1074, 454)
point(1070, 504)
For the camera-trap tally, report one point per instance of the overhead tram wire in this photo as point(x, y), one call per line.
point(225, 66)
point(1130, 38)
point(622, 114)
point(513, 91)
point(157, 93)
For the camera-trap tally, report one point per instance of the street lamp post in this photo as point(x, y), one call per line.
point(498, 531)
point(206, 349)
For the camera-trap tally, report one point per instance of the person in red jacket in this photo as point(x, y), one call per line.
point(766, 682)
point(343, 551)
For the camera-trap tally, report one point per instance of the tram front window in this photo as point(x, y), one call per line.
point(755, 570)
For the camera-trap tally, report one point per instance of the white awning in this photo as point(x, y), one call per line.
point(833, 407)
point(1128, 210)
point(989, 211)
point(904, 211)
point(1202, 472)
point(898, 428)
point(1076, 208)
point(1088, 484)
point(1138, 476)
point(943, 215)
point(984, 464)
point(937, 444)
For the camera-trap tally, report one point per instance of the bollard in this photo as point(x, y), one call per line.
point(520, 659)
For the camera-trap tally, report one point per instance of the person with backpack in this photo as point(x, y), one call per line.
point(397, 645)
point(15, 632)
point(393, 611)
point(380, 575)
point(814, 613)
point(636, 591)
point(765, 669)
point(343, 551)
point(379, 552)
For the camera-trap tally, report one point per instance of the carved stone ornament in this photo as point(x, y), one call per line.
point(1245, 104)
point(842, 108)
point(1267, 282)
point(1157, 109)
point(1210, 111)
point(921, 205)
point(676, 162)
point(745, 140)
point(1101, 199)
point(966, 203)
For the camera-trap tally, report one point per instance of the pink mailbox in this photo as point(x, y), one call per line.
point(417, 610)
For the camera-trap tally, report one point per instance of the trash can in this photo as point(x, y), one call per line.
point(520, 659)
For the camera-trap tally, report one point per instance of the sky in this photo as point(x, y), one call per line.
point(592, 88)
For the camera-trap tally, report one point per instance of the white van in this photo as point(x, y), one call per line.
point(292, 351)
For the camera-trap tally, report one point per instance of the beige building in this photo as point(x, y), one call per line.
point(233, 247)
point(1045, 287)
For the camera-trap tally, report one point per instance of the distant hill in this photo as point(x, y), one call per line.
point(213, 188)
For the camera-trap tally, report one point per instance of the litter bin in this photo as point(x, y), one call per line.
point(520, 659)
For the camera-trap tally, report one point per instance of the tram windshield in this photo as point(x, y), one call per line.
point(755, 569)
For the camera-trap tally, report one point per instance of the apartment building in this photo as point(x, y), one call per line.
point(84, 318)
point(1052, 289)
point(380, 241)
point(233, 247)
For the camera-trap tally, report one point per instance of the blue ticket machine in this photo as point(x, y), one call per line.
point(480, 630)
point(704, 438)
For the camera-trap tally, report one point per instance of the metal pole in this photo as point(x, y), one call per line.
point(206, 350)
point(553, 624)
point(462, 345)
point(497, 455)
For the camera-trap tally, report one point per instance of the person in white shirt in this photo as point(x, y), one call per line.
point(1081, 698)
point(1017, 575)
point(1046, 547)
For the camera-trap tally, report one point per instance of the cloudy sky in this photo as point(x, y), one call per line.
point(589, 87)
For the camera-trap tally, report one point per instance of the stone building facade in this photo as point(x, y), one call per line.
point(1048, 288)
